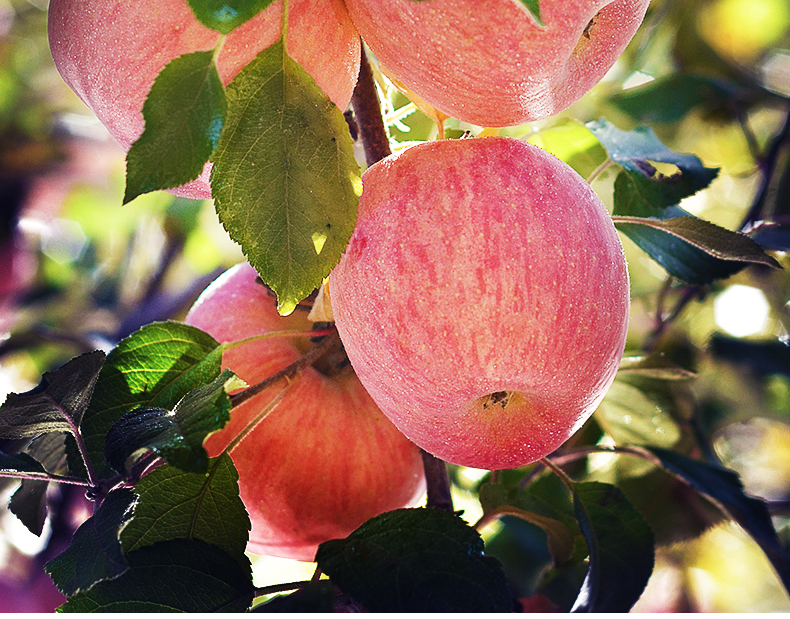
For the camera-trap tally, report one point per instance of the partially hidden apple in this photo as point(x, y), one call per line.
point(488, 62)
point(483, 299)
point(324, 460)
point(110, 51)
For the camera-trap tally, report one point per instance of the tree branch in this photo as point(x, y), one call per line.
point(375, 141)
point(438, 482)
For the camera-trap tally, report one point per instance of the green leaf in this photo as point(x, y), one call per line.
point(225, 15)
point(653, 366)
point(633, 413)
point(639, 152)
point(710, 238)
point(184, 114)
point(533, 8)
point(643, 195)
point(416, 560)
point(498, 501)
point(178, 505)
point(679, 258)
point(177, 435)
point(670, 99)
point(172, 576)
point(285, 182)
point(57, 404)
point(155, 367)
point(95, 552)
point(621, 549)
point(724, 488)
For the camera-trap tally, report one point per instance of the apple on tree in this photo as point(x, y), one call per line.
point(325, 459)
point(483, 299)
point(110, 52)
point(492, 63)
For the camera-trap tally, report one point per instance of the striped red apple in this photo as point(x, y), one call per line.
point(483, 299)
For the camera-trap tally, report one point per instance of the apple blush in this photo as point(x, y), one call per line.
point(483, 299)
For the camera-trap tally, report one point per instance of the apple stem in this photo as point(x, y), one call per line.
point(287, 372)
point(437, 481)
point(258, 418)
point(254, 338)
point(367, 111)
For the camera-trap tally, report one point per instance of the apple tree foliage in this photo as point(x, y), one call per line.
point(168, 530)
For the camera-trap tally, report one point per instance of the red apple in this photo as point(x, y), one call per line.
point(110, 51)
point(483, 299)
point(325, 460)
point(487, 62)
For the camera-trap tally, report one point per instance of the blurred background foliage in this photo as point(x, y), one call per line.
point(710, 77)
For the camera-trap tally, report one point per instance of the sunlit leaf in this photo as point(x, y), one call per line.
point(573, 142)
point(57, 404)
point(533, 8)
point(177, 435)
point(653, 366)
point(632, 414)
point(285, 182)
point(155, 367)
point(315, 597)
point(184, 114)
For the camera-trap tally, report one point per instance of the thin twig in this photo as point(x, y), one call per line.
point(768, 167)
point(690, 292)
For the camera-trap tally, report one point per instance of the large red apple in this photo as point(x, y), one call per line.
point(110, 51)
point(325, 460)
point(488, 62)
point(483, 299)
